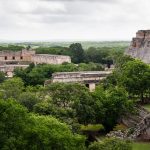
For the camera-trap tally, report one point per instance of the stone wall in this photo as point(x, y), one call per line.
point(140, 46)
point(84, 77)
point(30, 56)
point(50, 59)
point(24, 55)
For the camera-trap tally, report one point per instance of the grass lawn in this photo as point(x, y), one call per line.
point(141, 146)
point(147, 107)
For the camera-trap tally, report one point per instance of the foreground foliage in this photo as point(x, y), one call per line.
point(22, 130)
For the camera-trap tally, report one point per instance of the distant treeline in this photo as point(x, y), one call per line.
point(85, 44)
point(11, 47)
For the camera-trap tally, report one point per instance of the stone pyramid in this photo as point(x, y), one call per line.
point(140, 46)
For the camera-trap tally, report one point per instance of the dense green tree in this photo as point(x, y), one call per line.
point(28, 100)
point(116, 105)
point(11, 88)
point(24, 73)
point(13, 123)
point(74, 101)
point(2, 76)
point(45, 108)
point(110, 105)
point(77, 52)
point(84, 108)
point(99, 55)
point(104, 55)
point(49, 134)
point(120, 60)
point(136, 78)
point(68, 100)
point(22, 130)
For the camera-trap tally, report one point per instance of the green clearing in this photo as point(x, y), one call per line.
point(141, 146)
point(147, 106)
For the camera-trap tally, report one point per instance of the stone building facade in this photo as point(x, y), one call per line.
point(140, 46)
point(89, 78)
point(10, 60)
point(50, 59)
point(20, 56)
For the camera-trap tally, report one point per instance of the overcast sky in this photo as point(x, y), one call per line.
point(52, 20)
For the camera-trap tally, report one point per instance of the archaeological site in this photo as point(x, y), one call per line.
point(140, 46)
point(9, 60)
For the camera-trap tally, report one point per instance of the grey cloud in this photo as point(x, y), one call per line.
point(83, 0)
point(100, 1)
point(90, 19)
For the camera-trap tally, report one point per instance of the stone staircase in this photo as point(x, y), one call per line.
point(139, 123)
point(142, 128)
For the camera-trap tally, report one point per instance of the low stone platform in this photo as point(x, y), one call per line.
point(89, 78)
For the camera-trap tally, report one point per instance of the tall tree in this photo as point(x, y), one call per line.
point(136, 78)
point(77, 53)
point(110, 105)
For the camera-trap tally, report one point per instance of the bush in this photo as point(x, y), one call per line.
point(119, 127)
point(90, 127)
point(111, 144)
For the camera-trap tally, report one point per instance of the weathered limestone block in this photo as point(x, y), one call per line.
point(50, 59)
point(92, 87)
point(89, 78)
point(140, 46)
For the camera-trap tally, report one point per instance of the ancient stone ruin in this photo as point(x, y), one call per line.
point(10, 60)
point(89, 78)
point(140, 46)
point(138, 123)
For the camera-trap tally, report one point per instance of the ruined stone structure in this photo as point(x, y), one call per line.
point(90, 78)
point(20, 56)
point(139, 123)
point(8, 69)
point(50, 59)
point(140, 46)
point(9, 60)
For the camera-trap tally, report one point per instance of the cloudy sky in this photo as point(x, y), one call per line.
point(52, 20)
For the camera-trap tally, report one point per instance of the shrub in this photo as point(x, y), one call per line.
point(111, 144)
point(121, 127)
point(90, 127)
